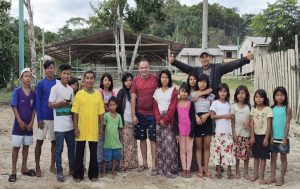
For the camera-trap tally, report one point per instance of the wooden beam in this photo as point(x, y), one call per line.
point(110, 44)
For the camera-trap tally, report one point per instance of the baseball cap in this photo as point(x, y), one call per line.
point(26, 70)
point(205, 52)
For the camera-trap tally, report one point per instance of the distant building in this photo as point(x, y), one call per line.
point(258, 45)
point(229, 52)
point(191, 55)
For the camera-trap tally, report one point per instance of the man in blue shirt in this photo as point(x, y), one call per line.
point(45, 116)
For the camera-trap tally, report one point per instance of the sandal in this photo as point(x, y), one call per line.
point(208, 175)
point(218, 175)
point(12, 178)
point(200, 174)
point(30, 173)
point(142, 168)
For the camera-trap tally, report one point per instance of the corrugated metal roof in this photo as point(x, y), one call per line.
point(228, 47)
point(260, 40)
point(198, 51)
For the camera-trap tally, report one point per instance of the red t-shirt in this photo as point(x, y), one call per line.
point(144, 88)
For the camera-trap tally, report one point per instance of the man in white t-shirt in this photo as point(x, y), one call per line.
point(60, 99)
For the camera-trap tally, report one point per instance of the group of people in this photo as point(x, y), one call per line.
point(179, 123)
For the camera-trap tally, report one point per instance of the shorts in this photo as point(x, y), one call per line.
point(223, 149)
point(258, 150)
point(48, 129)
point(242, 148)
point(19, 140)
point(204, 129)
point(146, 123)
point(112, 154)
point(280, 148)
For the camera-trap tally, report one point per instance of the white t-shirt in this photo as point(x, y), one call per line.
point(222, 125)
point(127, 111)
point(163, 98)
point(63, 115)
point(241, 116)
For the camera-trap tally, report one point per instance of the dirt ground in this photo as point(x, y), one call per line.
point(132, 179)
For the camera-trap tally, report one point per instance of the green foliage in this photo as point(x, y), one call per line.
point(281, 22)
point(6, 44)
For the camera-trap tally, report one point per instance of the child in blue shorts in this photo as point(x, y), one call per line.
point(112, 145)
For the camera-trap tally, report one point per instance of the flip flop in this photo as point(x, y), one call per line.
point(30, 173)
point(208, 175)
point(142, 168)
point(12, 178)
point(154, 172)
point(200, 174)
point(230, 176)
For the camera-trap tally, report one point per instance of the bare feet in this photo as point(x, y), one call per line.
point(246, 176)
point(52, 169)
point(38, 171)
point(262, 181)
point(272, 180)
point(280, 182)
point(114, 173)
point(254, 178)
point(238, 176)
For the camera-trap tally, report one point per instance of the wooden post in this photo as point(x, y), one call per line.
point(70, 56)
point(297, 77)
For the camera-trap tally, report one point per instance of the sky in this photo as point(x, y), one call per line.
point(52, 14)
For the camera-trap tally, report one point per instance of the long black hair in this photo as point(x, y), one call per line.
point(185, 87)
point(205, 78)
point(245, 89)
point(220, 87)
point(262, 93)
point(168, 73)
point(282, 90)
point(192, 74)
point(124, 79)
point(109, 78)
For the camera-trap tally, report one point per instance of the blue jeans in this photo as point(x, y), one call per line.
point(59, 140)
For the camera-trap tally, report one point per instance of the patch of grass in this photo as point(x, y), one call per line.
point(233, 83)
point(5, 96)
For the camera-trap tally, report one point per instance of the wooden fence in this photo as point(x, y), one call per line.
point(279, 69)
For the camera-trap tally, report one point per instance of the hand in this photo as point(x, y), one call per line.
point(204, 118)
point(284, 141)
point(100, 134)
point(198, 120)
point(228, 116)
point(235, 138)
point(64, 103)
point(135, 121)
point(191, 138)
point(250, 55)
point(77, 133)
point(29, 127)
point(41, 124)
point(171, 59)
point(161, 123)
point(246, 125)
point(265, 143)
point(252, 141)
point(22, 125)
point(177, 138)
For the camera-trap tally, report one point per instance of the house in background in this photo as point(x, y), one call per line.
point(191, 55)
point(258, 45)
point(229, 52)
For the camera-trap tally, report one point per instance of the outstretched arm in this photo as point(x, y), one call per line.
point(230, 66)
point(181, 66)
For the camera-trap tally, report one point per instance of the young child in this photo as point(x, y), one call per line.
point(165, 102)
point(240, 111)
point(129, 150)
point(60, 100)
point(261, 120)
point(23, 103)
point(112, 145)
point(106, 91)
point(223, 145)
point(282, 115)
point(204, 128)
point(184, 126)
point(88, 110)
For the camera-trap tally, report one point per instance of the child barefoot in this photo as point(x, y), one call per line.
point(282, 114)
point(241, 129)
point(223, 145)
point(23, 103)
point(112, 145)
point(261, 119)
point(184, 124)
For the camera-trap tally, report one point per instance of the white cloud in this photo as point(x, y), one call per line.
point(52, 14)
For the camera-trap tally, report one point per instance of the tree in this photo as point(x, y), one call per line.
point(6, 44)
point(281, 22)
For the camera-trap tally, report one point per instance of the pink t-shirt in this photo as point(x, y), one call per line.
point(184, 122)
point(144, 89)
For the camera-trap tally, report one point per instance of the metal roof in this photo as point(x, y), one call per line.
point(198, 51)
point(99, 45)
point(262, 41)
point(228, 47)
